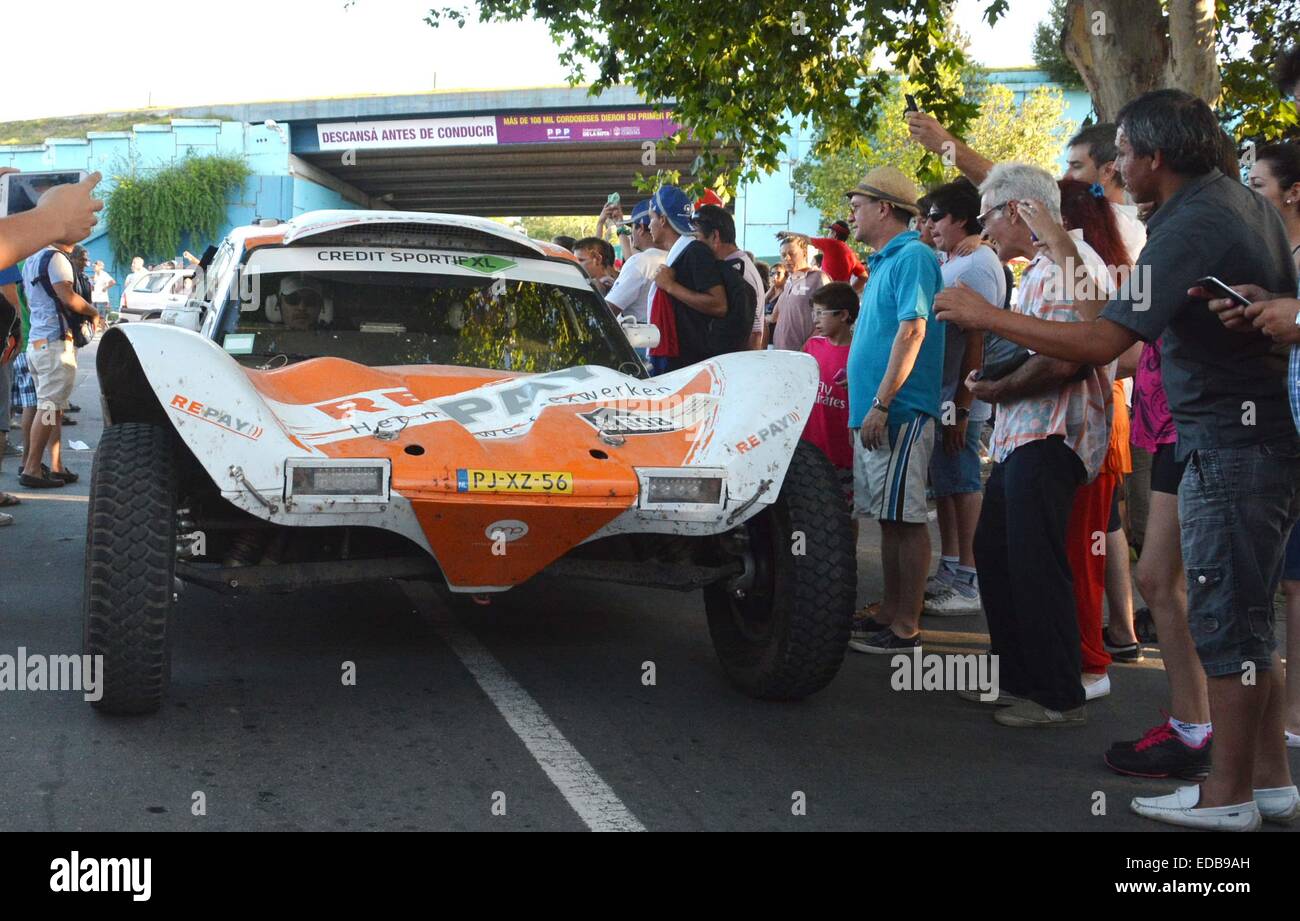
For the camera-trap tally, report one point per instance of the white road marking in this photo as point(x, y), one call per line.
point(591, 798)
point(596, 804)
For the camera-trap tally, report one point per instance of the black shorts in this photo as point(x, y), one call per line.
point(1166, 473)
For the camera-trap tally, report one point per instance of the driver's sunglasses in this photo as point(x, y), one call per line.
point(983, 219)
point(306, 296)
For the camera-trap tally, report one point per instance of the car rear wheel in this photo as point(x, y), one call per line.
point(781, 634)
point(131, 565)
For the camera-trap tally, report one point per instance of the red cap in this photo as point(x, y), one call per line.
point(708, 198)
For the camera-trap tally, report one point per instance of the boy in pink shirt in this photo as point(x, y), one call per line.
point(835, 309)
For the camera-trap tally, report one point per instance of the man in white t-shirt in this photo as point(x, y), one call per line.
point(1090, 157)
point(631, 290)
point(101, 282)
point(48, 279)
point(716, 227)
point(955, 469)
point(138, 271)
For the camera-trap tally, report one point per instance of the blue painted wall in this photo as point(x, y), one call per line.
point(270, 192)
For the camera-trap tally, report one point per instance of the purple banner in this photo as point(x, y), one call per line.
point(570, 127)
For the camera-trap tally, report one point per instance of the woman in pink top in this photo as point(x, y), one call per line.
point(1178, 745)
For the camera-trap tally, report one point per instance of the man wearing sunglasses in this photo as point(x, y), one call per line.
point(301, 304)
point(955, 466)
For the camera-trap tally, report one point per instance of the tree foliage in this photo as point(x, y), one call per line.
point(1033, 131)
point(1252, 34)
point(735, 74)
point(741, 74)
point(149, 212)
point(1047, 48)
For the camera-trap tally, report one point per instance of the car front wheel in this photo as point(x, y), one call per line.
point(780, 633)
point(131, 566)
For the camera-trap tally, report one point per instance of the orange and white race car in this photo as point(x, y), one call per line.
point(362, 395)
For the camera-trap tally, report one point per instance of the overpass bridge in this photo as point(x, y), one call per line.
point(541, 151)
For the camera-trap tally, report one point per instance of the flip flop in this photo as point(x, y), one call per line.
point(7, 500)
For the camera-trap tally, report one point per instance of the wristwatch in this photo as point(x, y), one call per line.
point(876, 404)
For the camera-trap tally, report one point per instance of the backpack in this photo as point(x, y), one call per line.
point(730, 333)
point(81, 327)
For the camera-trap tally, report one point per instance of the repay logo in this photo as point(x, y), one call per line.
point(103, 874)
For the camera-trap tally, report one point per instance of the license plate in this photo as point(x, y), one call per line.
point(544, 481)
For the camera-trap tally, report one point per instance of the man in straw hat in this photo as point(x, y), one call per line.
point(895, 370)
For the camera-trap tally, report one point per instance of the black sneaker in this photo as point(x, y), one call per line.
point(1120, 652)
point(1160, 753)
point(864, 628)
point(885, 642)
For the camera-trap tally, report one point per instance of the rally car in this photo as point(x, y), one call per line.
point(360, 395)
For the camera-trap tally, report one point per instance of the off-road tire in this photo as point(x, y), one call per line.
point(131, 565)
point(787, 638)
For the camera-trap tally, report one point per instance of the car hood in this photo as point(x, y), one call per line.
point(739, 414)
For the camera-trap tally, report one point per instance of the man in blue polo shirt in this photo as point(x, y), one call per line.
point(895, 372)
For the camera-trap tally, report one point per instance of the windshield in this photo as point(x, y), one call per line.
point(397, 318)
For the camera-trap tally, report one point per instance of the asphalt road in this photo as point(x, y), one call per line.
point(533, 707)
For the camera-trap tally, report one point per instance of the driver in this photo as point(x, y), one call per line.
point(301, 302)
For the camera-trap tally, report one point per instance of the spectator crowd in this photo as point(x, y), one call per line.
point(1132, 387)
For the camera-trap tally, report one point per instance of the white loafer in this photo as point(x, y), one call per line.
point(1278, 804)
point(1099, 688)
point(1179, 808)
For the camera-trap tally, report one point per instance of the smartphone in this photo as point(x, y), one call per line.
point(911, 103)
point(1222, 290)
point(20, 191)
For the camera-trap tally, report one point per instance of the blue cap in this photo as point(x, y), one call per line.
point(640, 214)
point(673, 204)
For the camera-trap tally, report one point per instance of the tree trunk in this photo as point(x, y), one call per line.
point(1123, 48)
